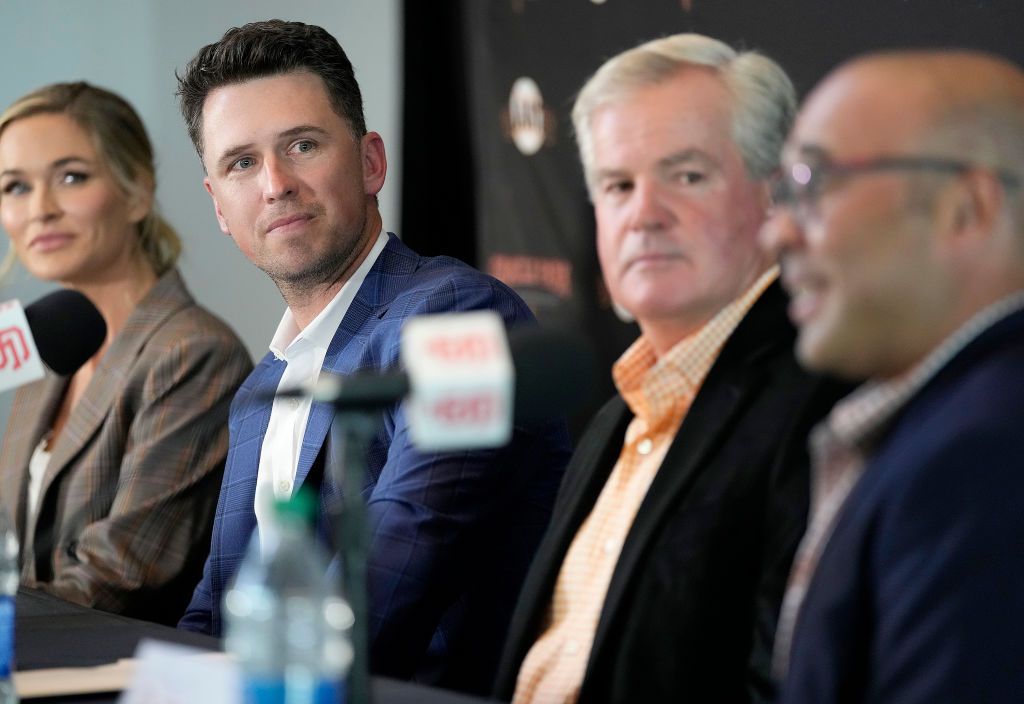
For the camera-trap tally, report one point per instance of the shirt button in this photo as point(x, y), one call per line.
point(644, 446)
point(572, 647)
point(284, 486)
point(293, 403)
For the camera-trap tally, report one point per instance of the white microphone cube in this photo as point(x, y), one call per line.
point(462, 379)
point(19, 359)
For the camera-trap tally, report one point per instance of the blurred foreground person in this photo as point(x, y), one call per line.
point(111, 473)
point(900, 229)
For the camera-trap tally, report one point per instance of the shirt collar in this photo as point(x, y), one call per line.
point(859, 419)
point(289, 340)
point(651, 386)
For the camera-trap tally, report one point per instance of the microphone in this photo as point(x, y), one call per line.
point(67, 328)
point(555, 370)
point(466, 381)
point(62, 329)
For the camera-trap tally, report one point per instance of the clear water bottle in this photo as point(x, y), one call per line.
point(285, 621)
point(8, 592)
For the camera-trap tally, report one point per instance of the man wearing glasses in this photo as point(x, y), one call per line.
point(899, 224)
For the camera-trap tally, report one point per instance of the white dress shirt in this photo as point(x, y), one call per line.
point(304, 351)
point(37, 465)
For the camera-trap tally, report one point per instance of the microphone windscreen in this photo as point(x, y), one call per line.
point(67, 329)
point(555, 371)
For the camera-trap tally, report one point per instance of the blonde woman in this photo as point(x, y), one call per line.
point(111, 473)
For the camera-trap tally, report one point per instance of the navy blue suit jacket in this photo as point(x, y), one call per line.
point(452, 534)
point(919, 594)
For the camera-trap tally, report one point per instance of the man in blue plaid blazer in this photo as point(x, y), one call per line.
point(276, 116)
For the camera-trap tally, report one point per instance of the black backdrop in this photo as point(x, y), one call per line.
point(490, 173)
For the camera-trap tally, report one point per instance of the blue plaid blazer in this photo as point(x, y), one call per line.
point(452, 534)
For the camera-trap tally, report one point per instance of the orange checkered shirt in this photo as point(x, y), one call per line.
point(659, 392)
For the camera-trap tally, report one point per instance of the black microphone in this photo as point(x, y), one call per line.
point(363, 391)
point(67, 329)
point(554, 371)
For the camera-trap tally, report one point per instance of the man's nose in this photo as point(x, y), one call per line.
point(278, 180)
point(647, 209)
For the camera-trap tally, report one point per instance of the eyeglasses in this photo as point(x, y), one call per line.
point(800, 186)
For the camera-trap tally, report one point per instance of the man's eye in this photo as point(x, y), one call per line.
point(619, 187)
point(304, 146)
point(246, 162)
point(690, 177)
point(816, 184)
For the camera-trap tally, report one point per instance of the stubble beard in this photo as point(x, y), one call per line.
point(321, 272)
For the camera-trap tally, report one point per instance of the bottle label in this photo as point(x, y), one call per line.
point(6, 635)
point(330, 692)
point(263, 690)
point(272, 690)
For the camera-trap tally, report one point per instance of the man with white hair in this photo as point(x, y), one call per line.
point(661, 574)
point(902, 241)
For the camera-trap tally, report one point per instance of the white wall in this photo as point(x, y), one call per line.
point(133, 47)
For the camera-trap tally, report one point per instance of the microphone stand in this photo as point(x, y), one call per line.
point(350, 433)
point(356, 418)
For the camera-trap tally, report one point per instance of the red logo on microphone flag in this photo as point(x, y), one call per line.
point(468, 347)
point(475, 409)
point(13, 348)
point(19, 358)
point(460, 371)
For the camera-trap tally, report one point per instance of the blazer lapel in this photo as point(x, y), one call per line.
point(596, 455)
point(38, 402)
point(164, 299)
point(733, 378)
point(588, 470)
point(87, 415)
point(252, 405)
point(344, 355)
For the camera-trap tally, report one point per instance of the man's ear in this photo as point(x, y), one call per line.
point(375, 163)
point(220, 216)
point(972, 206)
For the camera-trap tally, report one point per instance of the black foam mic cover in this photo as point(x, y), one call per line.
point(554, 368)
point(67, 329)
point(554, 372)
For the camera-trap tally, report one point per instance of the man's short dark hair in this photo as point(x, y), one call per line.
point(270, 48)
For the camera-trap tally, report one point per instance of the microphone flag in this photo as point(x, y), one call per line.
point(19, 358)
point(462, 376)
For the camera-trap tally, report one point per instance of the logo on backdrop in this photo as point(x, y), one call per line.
point(518, 271)
point(527, 121)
